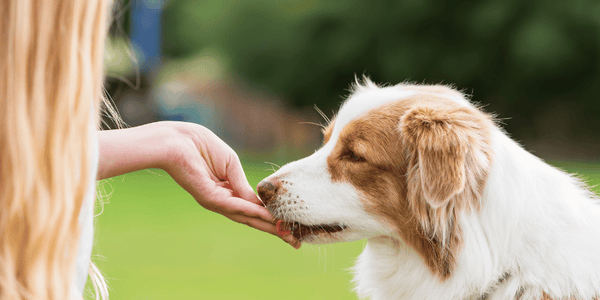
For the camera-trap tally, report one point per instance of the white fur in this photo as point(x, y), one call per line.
point(536, 223)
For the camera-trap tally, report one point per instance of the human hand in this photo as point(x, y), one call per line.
point(198, 161)
point(208, 169)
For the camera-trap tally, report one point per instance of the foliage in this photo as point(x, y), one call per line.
point(523, 58)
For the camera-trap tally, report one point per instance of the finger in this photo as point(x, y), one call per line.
point(296, 244)
point(265, 227)
point(216, 197)
point(239, 182)
point(239, 206)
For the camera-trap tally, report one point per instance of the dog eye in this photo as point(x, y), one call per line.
point(350, 155)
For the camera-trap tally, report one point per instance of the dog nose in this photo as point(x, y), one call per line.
point(266, 190)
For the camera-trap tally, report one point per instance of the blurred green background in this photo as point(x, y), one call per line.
point(251, 71)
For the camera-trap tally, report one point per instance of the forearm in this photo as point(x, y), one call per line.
point(127, 150)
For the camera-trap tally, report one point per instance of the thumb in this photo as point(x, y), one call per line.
point(238, 181)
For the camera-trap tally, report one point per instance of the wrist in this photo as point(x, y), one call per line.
point(127, 150)
point(174, 145)
point(164, 142)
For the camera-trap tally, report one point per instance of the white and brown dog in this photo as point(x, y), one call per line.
point(452, 207)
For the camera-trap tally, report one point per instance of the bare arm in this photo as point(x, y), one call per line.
point(198, 161)
point(132, 149)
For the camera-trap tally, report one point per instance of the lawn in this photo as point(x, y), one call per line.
point(154, 242)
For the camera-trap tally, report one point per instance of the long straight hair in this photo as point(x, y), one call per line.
point(51, 74)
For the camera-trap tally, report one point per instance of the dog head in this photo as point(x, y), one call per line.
point(404, 161)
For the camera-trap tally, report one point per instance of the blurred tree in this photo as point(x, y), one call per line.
point(520, 57)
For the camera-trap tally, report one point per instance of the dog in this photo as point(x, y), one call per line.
point(450, 205)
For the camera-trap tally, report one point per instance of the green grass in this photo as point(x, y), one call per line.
point(153, 241)
point(156, 242)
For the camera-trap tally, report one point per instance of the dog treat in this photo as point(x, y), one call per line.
point(280, 230)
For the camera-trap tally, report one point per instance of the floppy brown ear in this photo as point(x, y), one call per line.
point(449, 156)
point(439, 138)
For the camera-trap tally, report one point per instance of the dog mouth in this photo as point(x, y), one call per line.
point(301, 231)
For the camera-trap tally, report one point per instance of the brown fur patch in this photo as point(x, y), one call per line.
point(419, 175)
point(327, 131)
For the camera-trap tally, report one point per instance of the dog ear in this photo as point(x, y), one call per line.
point(439, 138)
point(448, 152)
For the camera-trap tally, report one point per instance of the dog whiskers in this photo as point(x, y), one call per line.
point(313, 123)
point(322, 114)
point(273, 165)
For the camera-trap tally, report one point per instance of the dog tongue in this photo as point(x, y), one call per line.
point(280, 230)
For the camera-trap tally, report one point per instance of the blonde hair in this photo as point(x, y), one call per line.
point(51, 74)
